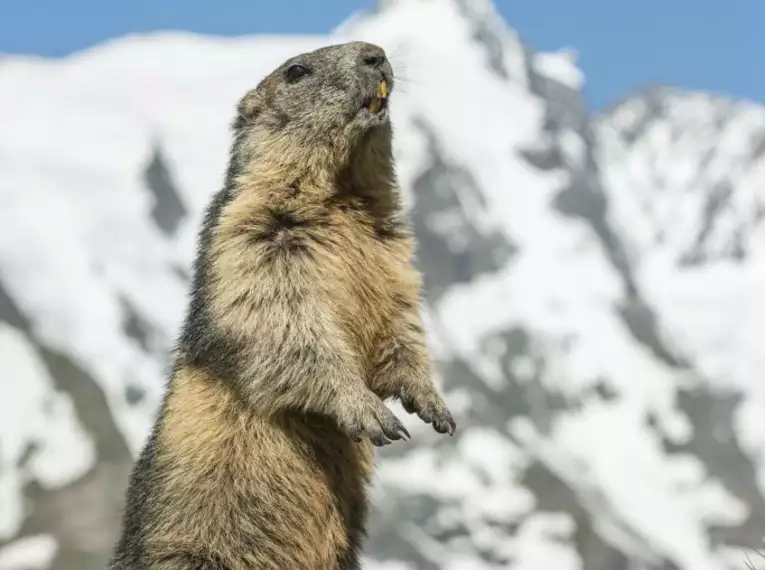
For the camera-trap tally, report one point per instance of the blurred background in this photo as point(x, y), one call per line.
point(587, 185)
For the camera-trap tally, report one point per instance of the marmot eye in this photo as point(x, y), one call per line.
point(295, 72)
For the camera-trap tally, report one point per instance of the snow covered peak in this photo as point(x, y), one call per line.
point(685, 177)
point(687, 173)
point(471, 30)
point(560, 66)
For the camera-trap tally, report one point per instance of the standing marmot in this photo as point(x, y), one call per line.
point(304, 316)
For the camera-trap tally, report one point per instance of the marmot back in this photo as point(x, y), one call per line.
point(303, 318)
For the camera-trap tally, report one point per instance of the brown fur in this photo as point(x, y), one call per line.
point(303, 318)
point(220, 453)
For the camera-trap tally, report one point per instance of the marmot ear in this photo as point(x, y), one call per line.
point(249, 108)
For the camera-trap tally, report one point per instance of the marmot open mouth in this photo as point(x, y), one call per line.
point(379, 101)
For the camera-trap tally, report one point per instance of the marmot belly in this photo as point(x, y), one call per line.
point(286, 493)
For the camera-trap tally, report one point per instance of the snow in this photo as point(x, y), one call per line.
point(689, 148)
point(78, 133)
point(33, 413)
point(562, 67)
point(33, 553)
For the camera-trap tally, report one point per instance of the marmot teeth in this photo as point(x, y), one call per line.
point(381, 95)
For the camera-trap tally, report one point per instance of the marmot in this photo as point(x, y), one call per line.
point(303, 318)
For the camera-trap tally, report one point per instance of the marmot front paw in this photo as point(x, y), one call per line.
point(430, 407)
point(374, 420)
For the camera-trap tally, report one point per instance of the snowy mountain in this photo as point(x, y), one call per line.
point(591, 284)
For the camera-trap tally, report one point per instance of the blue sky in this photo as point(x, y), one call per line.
point(714, 45)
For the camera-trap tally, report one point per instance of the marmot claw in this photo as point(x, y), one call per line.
point(379, 424)
point(431, 409)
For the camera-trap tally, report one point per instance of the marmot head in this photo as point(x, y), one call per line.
point(318, 107)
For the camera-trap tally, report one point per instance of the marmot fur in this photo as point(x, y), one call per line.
point(303, 318)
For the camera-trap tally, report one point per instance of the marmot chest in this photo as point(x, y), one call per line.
point(370, 276)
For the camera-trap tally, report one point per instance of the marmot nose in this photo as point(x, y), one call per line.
point(373, 56)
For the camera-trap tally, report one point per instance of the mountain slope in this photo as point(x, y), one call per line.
point(685, 174)
point(605, 389)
